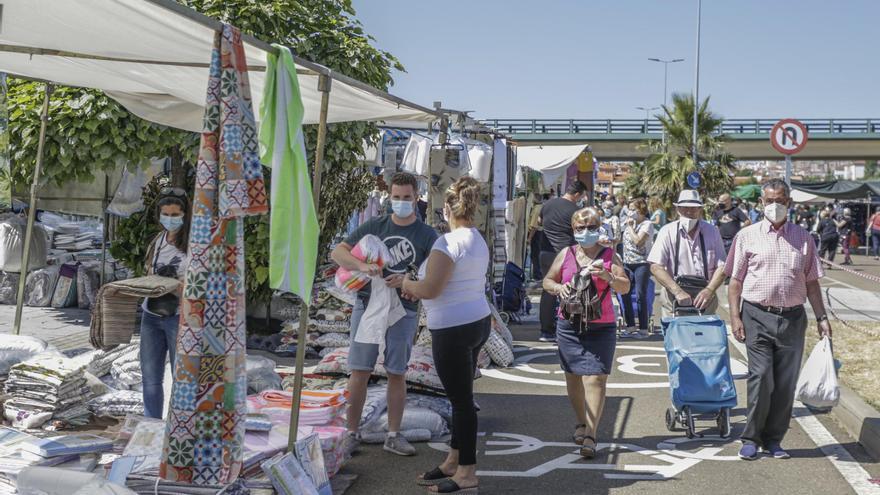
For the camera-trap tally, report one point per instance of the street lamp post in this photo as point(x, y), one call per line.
point(647, 111)
point(697, 82)
point(666, 73)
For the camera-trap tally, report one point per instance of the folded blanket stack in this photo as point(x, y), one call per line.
point(117, 404)
point(101, 361)
point(115, 311)
point(47, 386)
point(329, 322)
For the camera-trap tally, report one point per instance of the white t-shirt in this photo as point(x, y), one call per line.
point(463, 300)
point(166, 254)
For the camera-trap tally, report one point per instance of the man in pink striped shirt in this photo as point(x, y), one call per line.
point(774, 270)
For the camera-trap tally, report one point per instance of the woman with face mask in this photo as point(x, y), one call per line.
point(638, 236)
point(586, 349)
point(166, 256)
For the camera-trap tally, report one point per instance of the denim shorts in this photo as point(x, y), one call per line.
point(398, 343)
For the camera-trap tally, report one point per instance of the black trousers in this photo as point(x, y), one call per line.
point(455, 351)
point(828, 246)
point(535, 255)
point(775, 346)
point(549, 303)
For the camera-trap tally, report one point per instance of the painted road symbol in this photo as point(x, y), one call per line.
point(649, 362)
point(669, 460)
point(789, 136)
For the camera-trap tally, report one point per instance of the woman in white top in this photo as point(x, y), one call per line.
point(166, 256)
point(638, 237)
point(453, 291)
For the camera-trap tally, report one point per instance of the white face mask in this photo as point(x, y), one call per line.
point(775, 212)
point(689, 223)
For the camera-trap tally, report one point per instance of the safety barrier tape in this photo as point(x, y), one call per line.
point(868, 276)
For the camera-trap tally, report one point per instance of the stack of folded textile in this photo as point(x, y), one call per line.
point(47, 386)
point(317, 407)
point(101, 361)
point(117, 404)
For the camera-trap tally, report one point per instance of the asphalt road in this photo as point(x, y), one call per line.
point(526, 424)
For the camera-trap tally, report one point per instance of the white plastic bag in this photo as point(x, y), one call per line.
point(129, 199)
point(817, 386)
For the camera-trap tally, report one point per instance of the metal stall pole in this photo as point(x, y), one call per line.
point(32, 211)
point(104, 204)
point(324, 82)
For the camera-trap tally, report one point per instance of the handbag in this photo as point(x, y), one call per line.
point(584, 304)
point(691, 284)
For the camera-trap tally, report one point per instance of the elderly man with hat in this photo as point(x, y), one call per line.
point(729, 219)
point(688, 258)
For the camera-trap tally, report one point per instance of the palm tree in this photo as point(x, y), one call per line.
point(667, 167)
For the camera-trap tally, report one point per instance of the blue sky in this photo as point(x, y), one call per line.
point(588, 58)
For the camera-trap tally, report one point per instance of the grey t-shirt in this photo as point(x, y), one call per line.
point(408, 245)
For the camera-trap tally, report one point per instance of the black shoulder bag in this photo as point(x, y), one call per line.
point(691, 283)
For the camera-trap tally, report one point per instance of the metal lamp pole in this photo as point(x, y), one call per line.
point(697, 82)
point(647, 115)
point(666, 73)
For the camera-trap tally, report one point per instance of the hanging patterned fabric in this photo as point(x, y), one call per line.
point(205, 423)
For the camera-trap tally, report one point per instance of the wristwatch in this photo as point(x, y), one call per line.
point(822, 318)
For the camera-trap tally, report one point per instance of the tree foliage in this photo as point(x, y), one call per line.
point(87, 133)
point(327, 32)
point(90, 132)
point(667, 167)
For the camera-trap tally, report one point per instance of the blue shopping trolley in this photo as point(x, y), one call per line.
point(700, 380)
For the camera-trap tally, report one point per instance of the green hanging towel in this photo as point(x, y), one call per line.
point(294, 233)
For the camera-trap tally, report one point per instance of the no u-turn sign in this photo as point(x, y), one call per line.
point(788, 136)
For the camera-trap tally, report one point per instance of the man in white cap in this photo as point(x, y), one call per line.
point(688, 258)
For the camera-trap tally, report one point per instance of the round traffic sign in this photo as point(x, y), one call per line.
point(694, 180)
point(789, 136)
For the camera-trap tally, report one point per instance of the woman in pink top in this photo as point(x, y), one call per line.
point(586, 351)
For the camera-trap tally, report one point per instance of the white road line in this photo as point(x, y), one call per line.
point(840, 458)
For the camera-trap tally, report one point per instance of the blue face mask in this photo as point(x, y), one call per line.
point(170, 223)
point(403, 209)
point(586, 238)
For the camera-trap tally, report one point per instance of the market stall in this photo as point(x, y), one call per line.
point(153, 56)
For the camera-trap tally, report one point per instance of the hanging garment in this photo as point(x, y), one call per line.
point(415, 155)
point(480, 157)
point(205, 424)
point(293, 235)
point(499, 180)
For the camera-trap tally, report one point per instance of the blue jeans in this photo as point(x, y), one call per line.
point(875, 242)
point(158, 341)
point(641, 276)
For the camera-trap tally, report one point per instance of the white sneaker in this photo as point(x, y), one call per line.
point(639, 334)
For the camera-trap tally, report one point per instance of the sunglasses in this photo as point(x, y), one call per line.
point(173, 191)
point(591, 228)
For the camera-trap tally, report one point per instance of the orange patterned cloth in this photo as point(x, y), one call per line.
point(205, 425)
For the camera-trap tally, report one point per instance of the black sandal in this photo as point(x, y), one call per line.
point(449, 486)
point(589, 452)
point(432, 477)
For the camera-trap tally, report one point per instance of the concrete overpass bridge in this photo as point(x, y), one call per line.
point(619, 139)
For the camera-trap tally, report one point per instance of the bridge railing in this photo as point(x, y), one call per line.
point(653, 126)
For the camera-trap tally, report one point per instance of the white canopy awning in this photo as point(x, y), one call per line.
point(805, 197)
point(550, 160)
point(152, 56)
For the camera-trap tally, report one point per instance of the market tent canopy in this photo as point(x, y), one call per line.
point(551, 161)
point(152, 56)
point(839, 189)
point(748, 192)
point(805, 197)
